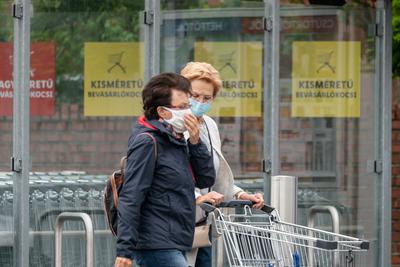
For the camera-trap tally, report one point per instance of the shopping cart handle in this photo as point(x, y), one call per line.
point(208, 207)
point(242, 203)
point(364, 245)
point(267, 209)
point(235, 203)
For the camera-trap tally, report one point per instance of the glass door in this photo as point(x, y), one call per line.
point(329, 112)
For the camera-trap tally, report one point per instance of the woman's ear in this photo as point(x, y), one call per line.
point(163, 113)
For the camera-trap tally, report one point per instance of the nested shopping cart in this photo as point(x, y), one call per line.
point(264, 240)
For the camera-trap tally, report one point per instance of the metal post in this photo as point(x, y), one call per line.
point(20, 161)
point(385, 218)
point(89, 235)
point(271, 92)
point(314, 210)
point(285, 203)
point(152, 18)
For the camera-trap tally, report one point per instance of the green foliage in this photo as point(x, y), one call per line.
point(192, 4)
point(6, 23)
point(396, 37)
point(69, 24)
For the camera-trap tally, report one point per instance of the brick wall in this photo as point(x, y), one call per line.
point(396, 174)
point(69, 141)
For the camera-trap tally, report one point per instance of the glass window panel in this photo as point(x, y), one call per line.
point(6, 189)
point(6, 28)
point(80, 124)
point(228, 35)
point(330, 154)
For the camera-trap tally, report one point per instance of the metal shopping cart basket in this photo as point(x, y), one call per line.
point(263, 239)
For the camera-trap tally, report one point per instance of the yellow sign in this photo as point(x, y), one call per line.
point(240, 67)
point(326, 79)
point(113, 79)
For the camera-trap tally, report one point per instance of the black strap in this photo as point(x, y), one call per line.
point(204, 219)
point(212, 150)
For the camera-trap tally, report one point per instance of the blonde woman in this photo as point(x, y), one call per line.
point(206, 83)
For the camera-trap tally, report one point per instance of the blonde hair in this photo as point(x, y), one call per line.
point(202, 71)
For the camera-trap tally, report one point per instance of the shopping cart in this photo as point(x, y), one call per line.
point(263, 239)
point(324, 60)
point(227, 60)
point(116, 59)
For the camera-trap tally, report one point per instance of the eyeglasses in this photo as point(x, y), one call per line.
point(202, 98)
point(184, 106)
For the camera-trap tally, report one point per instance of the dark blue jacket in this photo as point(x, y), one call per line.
point(156, 206)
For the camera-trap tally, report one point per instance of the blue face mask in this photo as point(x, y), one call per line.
point(198, 108)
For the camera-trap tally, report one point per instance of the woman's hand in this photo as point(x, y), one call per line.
point(192, 124)
point(123, 262)
point(212, 197)
point(257, 199)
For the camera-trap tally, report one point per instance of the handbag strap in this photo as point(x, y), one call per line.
point(122, 163)
point(154, 142)
point(211, 146)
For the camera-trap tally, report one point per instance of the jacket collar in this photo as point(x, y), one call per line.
point(142, 121)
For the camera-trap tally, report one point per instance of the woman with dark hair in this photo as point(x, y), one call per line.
point(156, 207)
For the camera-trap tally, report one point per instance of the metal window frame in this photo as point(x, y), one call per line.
point(152, 22)
point(21, 115)
point(384, 80)
point(21, 136)
point(271, 93)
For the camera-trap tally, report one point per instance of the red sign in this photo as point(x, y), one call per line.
point(309, 24)
point(295, 24)
point(42, 79)
point(252, 25)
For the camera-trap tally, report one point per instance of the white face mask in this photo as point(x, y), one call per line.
point(177, 120)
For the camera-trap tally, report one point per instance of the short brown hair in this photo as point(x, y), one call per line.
point(203, 71)
point(157, 92)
